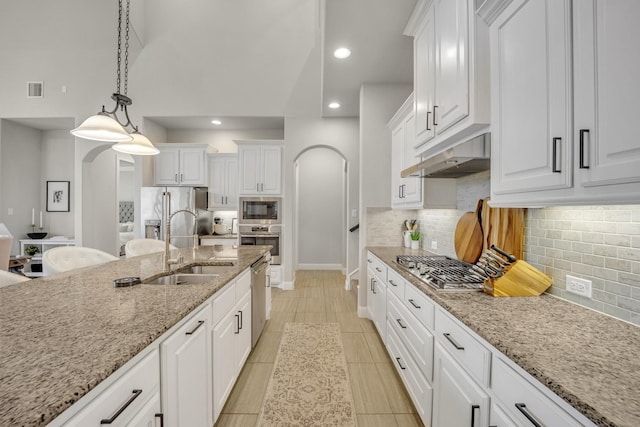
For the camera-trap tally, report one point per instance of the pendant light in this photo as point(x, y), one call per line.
point(106, 126)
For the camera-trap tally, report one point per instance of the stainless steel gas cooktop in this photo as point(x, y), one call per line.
point(441, 272)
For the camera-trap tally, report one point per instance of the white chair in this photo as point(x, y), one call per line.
point(65, 258)
point(7, 278)
point(137, 247)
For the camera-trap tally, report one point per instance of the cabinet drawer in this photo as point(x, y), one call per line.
point(418, 387)
point(416, 338)
point(464, 348)
point(420, 305)
point(223, 302)
point(396, 283)
point(128, 393)
point(522, 399)
point(378, 266)
point(243, 284)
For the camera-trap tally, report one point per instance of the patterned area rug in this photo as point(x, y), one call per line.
point(309, 385)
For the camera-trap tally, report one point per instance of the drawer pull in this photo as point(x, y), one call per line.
point(240, 319)
point(400, 323)
point(161, 416)
point(523, 409)
point(473, 414)
point(434, 115)
point(452, 341)
point(191, 332)
point(391, 283)
point(136, 394)
point(582, 164)
point(237, 325)
point(369, 261)
point(414, 304)
point(428, 113)
point(400, 364)
point(554, 158)
point(378, 270)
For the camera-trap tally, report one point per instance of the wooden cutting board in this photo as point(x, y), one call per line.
point(503, 227)
point(468, 235)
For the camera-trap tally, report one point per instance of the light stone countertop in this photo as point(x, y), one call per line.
point(62, 335)
point(587, 358)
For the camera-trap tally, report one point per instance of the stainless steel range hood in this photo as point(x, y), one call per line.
point(464, 159)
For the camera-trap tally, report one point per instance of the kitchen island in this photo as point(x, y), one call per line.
point(586, 358)
point(61, 336)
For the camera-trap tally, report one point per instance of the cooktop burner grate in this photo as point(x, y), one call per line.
point(441, 272)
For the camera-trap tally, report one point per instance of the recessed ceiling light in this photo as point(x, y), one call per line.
point(342, 53)
point(216, 122)
point(334, 105)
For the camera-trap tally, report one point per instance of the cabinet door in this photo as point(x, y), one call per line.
point(371, 301)
point(243, 338)
point(186, 373)
point(452, 63)
point(531, 91)
point(607, 93)
point(217, 181)
point(271, 170)
point(499, 418)
point(167, 166)
point(380, 308)
point(424, 52)
point(192, 166)
point(457, 399)
point(250, 169)
point(397, 138)
point(231, 197)
point(412, 191)
point(225, 369)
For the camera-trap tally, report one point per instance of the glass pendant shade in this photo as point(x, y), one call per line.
point(101, 127)
point(140, 145)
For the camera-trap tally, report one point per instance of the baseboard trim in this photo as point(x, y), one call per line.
point(321, 267)
point(287, 286)
point(363, 312)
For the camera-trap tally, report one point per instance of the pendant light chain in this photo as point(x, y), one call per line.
point(119, 45)
point(126, 50)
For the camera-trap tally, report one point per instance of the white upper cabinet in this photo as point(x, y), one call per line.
point(531, 83)
point(223, 181)
point(178, 164)
point(451, 74)
point(260, 164)
point(564, 99)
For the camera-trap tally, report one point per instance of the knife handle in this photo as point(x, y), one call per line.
point(508, 256)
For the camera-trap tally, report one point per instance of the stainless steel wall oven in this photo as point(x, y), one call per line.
point(258, 234)
point(260, 210)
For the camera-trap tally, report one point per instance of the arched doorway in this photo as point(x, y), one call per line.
point(320, 209)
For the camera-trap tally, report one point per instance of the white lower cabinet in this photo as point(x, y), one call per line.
point(231, 337)
point(377, 294)
point(186, 373)
point(457, 399)
point(499, 417)
point(133, 399)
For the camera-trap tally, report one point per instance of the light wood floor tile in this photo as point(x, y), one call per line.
point(339, 304)
point(267, 347)
point(310, 305)
point(284, 303)
point(376, 347)
point(249, 391)
point(396, 394)
point(313, 293)
point(368, 390)
point(408, 420)
point(311, 317)
point(377, 420)
point(355, 348)
point(237, 420)
point(349, 322)
point(277, 321)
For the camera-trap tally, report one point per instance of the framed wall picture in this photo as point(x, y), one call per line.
point(58, 196)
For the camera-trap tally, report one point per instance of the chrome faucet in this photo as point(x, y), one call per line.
point(168, 262)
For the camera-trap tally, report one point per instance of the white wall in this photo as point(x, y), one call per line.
point(321, 215)
point(221, 140)
point(300, 134)
point(20, 179)
point(378, 103)
point(57, 165)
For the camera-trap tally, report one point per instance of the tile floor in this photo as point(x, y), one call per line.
point(380, 398)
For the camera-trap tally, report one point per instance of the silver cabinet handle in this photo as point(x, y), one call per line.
point(523, 409)
point(452, 341)
point(136, 394)
point(240, 311)
point(414, 304)
point(554, 158)
point(428, 113)
point(400, 323)
point(237, 325)
point(191, 332)
point(176, 178)
point(181, 177)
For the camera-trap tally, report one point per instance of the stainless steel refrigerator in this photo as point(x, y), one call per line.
point(155, 211)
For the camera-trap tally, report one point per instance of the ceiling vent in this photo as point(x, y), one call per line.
point(35, 89)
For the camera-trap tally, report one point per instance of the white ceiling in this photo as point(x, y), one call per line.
point(248, 63)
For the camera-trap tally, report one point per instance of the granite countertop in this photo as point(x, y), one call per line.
point(62, 335)
point(585, 357)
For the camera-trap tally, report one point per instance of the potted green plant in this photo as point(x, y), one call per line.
point(31, 250)
point(415, 240)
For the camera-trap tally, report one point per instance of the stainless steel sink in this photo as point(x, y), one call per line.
point(205, 269)
point(183, 279)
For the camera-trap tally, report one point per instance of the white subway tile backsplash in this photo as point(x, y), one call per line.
point(617, 239)
point(593, 260)
point(617, 264)
point(604, 250)
point(618, 216)
point(629, 253)
point(629, 278)
point(631, 228)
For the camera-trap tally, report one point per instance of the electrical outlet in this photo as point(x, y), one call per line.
point(579, 286)
point(434, 244)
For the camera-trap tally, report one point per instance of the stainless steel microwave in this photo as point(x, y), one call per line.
point(260, 210)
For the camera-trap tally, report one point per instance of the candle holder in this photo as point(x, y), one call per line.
point(36, 236)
